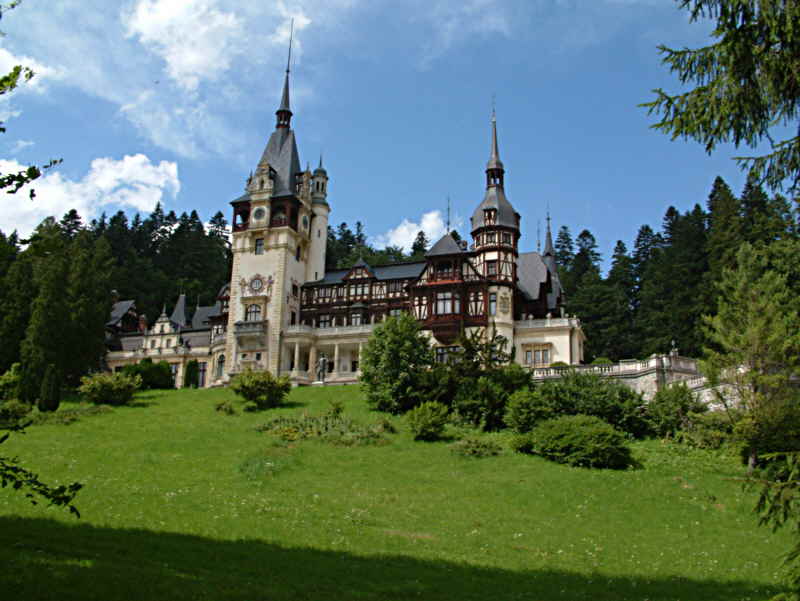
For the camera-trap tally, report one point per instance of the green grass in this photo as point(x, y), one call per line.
point(181, 502)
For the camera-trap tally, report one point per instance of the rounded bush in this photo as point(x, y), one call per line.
point(109, 389)
point(13, 411)
point(261, 388)
point(427, 421)
point(670, 409)
point(581, 441)
point(475, 447)
point(526, 408)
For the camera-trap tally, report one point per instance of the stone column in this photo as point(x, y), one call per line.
point(296, 356)
point(312, 362)
point(336, 358)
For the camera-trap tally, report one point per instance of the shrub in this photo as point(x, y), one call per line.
point(331, 427)
point(13, 411)
point(521, 443)
point(109, 389)
point(475, 447)
point(581, 441)
point(9, 382)
point(528, 407)
point(192, 374)
point(155, 376)
point(669, 410)
point(65, 417)
point(427, 421)
point(602, 361)
point(591, 394)
point(261, 388)
point(225, 407)
point(709, 430)
point(483, 404)
point(776, 430)
point(50, 395)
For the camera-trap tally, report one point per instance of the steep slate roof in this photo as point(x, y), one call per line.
point(395, 271)
point(118, 311)
point(178, 316)
point(201, 315)
point(495, 198)
point(281, 154)
point(446, 245)
point(532, 272)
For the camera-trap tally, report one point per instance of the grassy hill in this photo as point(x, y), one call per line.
point(181, 502)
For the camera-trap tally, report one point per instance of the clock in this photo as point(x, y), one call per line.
point(256, 284)
point(259, 213)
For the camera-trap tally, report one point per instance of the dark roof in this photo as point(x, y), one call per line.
point(224, 291)
point(281, 154)
point(494, 158)
point(178, 316)
point(243, 198)
point(446, 245)
point(495, 198)
point(201, 315)
point(394, 271)
point(118, 311)
point(285, 96)
point(532, 271)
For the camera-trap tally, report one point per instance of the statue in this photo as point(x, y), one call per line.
point(322, 368)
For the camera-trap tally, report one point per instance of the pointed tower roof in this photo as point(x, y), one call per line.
point(446, 245)
point(549, 253)
point(285, 96)
point(494, 159)
point(178, 316)
point(320, 168)
point(495, 197)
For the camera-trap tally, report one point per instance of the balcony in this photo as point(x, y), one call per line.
point(250, 328)
point(330, 332)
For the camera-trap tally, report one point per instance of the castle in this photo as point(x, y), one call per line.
point(283, 312)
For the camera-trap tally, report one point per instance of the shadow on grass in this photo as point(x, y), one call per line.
point(44, 559)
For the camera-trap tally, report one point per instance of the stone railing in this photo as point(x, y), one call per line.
point(553, 322)
point(250, 328)
point(627, 367)
point(325, 332)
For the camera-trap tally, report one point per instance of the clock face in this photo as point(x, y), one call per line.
point(259, 213)
point(256, 284)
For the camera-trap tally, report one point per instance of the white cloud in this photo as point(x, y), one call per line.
point(133, 182)
point(195, 39)
point(21, 145)
point(404, 234)
point(38, 84)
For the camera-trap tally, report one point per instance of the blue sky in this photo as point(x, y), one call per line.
point(173, 100)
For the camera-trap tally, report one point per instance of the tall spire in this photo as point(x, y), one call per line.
point(284, 113)
point(548, 240)
point(494, 168)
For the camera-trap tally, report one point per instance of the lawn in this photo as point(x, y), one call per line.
point(182, 502)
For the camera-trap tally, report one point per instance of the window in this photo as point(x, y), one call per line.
point(506, 238)
point(292, 318)
point(395, 312)
point(447, 303)
point(297, 254)
point(528, 357)
point(324, 321)
point(493, 303)
point(253, 313)
point(491, 268)
point(319, 233)
point(201, 374)
point(295, 290)
point(489, 216)
point(169, 342)
point(490, 238)
point(161, 330)
point(258, 356)
point(358, 290)
point(443, 353)
point(395, 286)
point(173, 367)
point(444, 270)
point(152, 344)
point(220, 366)
point(355, 319)
point(476, 303)
point(538, 356)
point(259, 246)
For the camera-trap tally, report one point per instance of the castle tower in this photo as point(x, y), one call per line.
point(495, 235)
point(274, 224)
point(319, 224)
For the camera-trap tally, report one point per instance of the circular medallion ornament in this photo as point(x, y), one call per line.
point(256, 284)
point(259, 213)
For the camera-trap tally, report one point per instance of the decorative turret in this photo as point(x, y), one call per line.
point(284, 113)
point(549, 253)
point(319, 184)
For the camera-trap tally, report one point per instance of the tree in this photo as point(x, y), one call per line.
point(747, 84)
point(724, 229)
point(755, 342)
point(420, 245)
point(396, 351)
point(565, 249)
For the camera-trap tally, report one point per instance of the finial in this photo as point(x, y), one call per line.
point(320, 159)
point(291, 35)
point(448, 213)
point(539, 235)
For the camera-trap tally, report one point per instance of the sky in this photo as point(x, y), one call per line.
point(173, 101)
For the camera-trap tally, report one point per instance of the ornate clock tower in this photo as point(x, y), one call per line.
point(280, 227)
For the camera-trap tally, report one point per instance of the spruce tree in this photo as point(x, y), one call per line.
point(724, 230)
point(420, 245)
point(565, 249)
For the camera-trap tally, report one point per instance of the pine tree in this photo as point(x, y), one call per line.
point(17, 290)
point(71, 224)
point(420, 245)
point(565, 249)
point(724, 231)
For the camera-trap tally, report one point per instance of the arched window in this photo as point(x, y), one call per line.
point(253, 313)
point(220, 366)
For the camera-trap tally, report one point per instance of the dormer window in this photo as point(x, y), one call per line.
point(490, 216)
point(444, 270)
